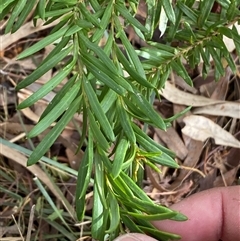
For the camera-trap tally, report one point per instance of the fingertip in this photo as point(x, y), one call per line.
point(134, 237)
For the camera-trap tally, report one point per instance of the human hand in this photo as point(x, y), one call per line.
point(213, 215)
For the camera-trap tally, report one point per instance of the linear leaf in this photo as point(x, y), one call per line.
point(45, 89)
point(114, 214)
point(125, 13)
point(181, 71)
point(23, 15)
point(97, 110)
point(90, 17)
point(167, 6)
point(104, 23)
point(125, 121)
point(152, 217)
point(151, 142)
point(41, 8)
point(101, 76)
point(53, 134)
point(36, 74)
point(5, 4)
point(129, 68)
point(119, 157)
point(97, 134)
point(217, 60)
point(147, 109)
point(57, 111)
point(98, 217)
point(59, 96)
point(14, 14)
point(99, 180)
point(43, 43)
point(205, 8)
point(85, 169)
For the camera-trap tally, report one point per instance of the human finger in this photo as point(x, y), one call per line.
point(212, 215)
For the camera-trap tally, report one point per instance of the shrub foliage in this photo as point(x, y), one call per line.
point(113, 89)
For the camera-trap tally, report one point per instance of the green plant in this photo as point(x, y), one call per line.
point(113, 90)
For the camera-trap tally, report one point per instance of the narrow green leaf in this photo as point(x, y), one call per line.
point(151, 143)
point(160, 235)
point(90, 17)
point(99, 217)
point(113, 75)
point(162, 159)
point(125, 121)
point(181, 71)
point(14, 14)
point(188, 11)
point(108, 100)
point(58, 48)
point(114, 214)
point(85, 169)
point(59, 96)
point(205, 8)
point(99, 180)
point(41, 9)
point(80, 208)
point(97, 110)
point(104, 22)
point(130, 50)
point(147, 207)
point(96, 6)
point(217, 60)
point(121, 150)
point(120, 187)
point(135, 188)
point(36, 74)
point(129, 68)
point(167, 6)
point(125, 13)
point(104, 78)
point(152, 217)
point(176, 116)
point(58, 12)
point(45, 89)
point(147, 109)
point(99, 137)
point(53, 134)
point(5, 4)
point(100, 53)
point(43, 43)
point(232, 9)
point(23, 15)
point(57, 111)
point(130, 224)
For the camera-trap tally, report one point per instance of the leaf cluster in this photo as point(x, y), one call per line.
point(113, 89)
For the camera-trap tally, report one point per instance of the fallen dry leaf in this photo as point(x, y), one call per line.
point(173, 142)
point(27, 29)
point(176, 96)
point(201, 128)
point(230, 109)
